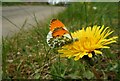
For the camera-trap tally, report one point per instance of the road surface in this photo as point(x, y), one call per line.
point(18, 15)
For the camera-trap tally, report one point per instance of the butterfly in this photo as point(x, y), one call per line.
point(58, 35)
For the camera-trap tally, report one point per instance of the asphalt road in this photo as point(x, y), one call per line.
point(18, 15)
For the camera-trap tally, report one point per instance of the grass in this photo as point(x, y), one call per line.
point(27, 56)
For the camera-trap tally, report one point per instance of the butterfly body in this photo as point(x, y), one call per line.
point(58, 34)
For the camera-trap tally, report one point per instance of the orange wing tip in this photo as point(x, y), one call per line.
point(55, 23)
point(53, 20)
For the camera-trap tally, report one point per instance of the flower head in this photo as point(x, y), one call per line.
point(89, 41)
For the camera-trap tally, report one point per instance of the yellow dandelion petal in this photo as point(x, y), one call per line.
point(85, 53)
point(97, 52)
point(94, 28)
point(77, 54)
point(105, 47)
point(80, 55)
point(76, 58)
point(90, 55)
point(109, 42)
point(105, 33)
point(108, 33)
point(101, 29)
point(69, 56)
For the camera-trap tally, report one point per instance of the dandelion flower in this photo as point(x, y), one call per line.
point(90, 40)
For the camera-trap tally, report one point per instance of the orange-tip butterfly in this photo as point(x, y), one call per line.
point(58, 34)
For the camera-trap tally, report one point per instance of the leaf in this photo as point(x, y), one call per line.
point(37, 76)
point(88, 74)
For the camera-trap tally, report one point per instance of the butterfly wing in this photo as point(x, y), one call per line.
point(55, 23)
point(58, 35)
